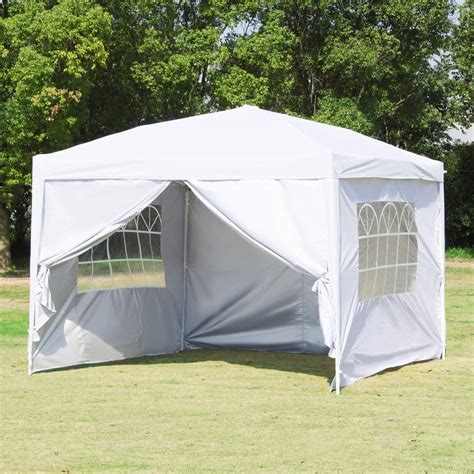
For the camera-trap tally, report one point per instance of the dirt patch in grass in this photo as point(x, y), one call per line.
point(460, 263)
point(6, 303)
point(14, 281)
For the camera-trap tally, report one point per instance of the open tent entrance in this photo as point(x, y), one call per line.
point(192, 281)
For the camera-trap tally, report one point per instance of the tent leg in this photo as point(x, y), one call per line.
point(336, 270)
point(185, 263)
point(441, 238)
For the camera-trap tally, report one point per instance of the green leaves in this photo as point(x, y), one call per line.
point(49, 61)
point(74, 70)
point(258, 67)
point(238, 87)
point(343, 112)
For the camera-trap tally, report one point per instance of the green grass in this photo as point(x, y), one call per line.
point(238, 411)
point(458, 252)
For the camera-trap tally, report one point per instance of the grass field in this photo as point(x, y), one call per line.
point(238, 411)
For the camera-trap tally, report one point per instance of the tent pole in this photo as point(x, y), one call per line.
point(185, 263)
point(336, 262)
point(443, 264)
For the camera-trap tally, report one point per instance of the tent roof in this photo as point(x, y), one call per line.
point(243, 143)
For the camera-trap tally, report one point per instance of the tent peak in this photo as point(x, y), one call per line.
point(248, 106)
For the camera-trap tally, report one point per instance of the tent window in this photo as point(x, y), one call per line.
point(131, 257)
point(388, 248)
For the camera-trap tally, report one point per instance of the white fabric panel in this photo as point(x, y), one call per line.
point(244, 143)
point(109, 325)
point(76, 217)
point(410, 166)
point(288, 218)
point(357, 156)
point(241, 297)
point(391, 330)
point(105, 325)
point(326, 312)
point(36, 224)
point(78, 212)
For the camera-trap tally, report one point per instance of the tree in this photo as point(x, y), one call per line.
point(462, 68)
point(75, 70)
point(459, 158)
point(257, 62)
point(49, 60)
point(381, 68)
point(459, 203)
point(161, 60)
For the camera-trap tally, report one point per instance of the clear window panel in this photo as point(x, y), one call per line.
point(155, 273)
point(131, 257)
point(100, 275)
point(85, 282)
point(379, 287)
point(411, 279)
point(363, 254)
point(372, 245)
point(131, 245)
point(382, 250)
point(146, 247)
point(392, 253)
point(388, 248)
point(138, 273)
point(121, 274)
point(117, 250)
point(401, 279)
point(390, 279)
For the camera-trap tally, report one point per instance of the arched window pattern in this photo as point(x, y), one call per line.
point(388, 248)
point(131, 257)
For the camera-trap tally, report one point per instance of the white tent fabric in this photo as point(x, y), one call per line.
point(240, 296)
point(81, 229)
point(286, 204)
point(244, 143)
point(398, 328)
point(274, 233)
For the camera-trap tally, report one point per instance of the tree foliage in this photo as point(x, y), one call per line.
point(74, 70)
point(459, 164)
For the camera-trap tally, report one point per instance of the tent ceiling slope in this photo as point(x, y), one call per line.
point(372, 248)
point(243, 143)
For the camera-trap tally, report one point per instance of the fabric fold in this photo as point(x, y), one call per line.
point(94, 234)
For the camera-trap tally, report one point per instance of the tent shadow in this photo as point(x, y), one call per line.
point(397, 368)
point(316, 365)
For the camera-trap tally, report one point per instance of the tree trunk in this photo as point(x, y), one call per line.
point(5, 257)
point(5, 8)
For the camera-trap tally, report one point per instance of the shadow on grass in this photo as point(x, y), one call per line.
point(310, 364)
point(315, 365)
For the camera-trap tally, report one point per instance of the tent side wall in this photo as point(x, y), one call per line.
point(111, 324)
point(391, 274)
point(241, 297)
point(240, 294)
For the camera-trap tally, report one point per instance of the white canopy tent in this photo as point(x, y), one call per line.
point(242, 229)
